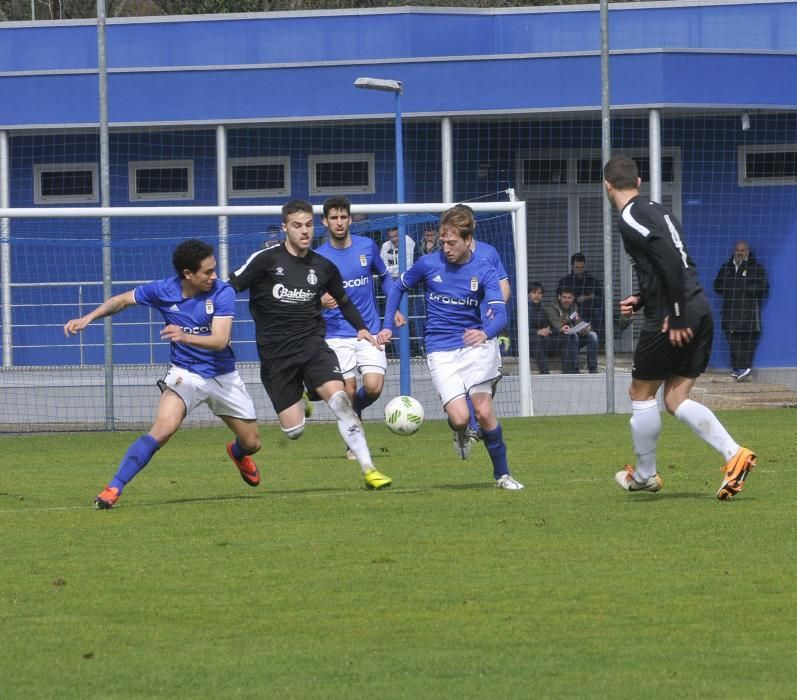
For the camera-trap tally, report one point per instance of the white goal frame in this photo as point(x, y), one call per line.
point(516, 208)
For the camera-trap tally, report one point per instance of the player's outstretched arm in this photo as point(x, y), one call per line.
point(108, 308)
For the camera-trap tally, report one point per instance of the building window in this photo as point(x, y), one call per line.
point(346, 173)
point(66, 183)
point(590, 170)
point(544, 171)
point(161, 179)
point(259, 177)
point(767, 165)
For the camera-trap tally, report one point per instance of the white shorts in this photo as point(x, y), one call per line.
point(468, 370)
point(225, 395)
point(354, 353)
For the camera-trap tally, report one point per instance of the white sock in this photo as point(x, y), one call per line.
point(705, 424)
point(645, 430)
point(351, 430)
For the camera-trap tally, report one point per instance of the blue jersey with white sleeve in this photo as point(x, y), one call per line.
point(454, 294)
point(358, 263)
point(194, 316)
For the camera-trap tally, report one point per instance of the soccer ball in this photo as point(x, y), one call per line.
point(404, 415)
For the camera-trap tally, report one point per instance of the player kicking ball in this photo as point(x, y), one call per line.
point(285, 286)
point(359, 262)
point(198, 309)
point(461, 360)
point(675, 343)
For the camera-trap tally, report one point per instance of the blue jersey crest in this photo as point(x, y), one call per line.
point(357, 264)
point(454, 295)
point(195, 316)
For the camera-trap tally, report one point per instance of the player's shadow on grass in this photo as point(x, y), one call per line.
point(669, 496)
point(264, 493)
point(462, 487)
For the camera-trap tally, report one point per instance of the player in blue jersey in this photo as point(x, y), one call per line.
point(198, 309)
point(359, 262)
point(460, 357)
point(487, 252)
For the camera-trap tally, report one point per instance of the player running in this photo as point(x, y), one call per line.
point(461, 360)
point(675, 343)
point(198, 309)
point(359, 261)
point(285, 286)
point(484, 250)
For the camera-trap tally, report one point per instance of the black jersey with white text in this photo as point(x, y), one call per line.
point(668, 281)
point(285, 297)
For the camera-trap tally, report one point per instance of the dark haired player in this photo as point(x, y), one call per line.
point(675, 343)
point(358, 260)
point(198, 309)
point(285, 286)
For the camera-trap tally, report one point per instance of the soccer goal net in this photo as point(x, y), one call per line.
point(58, 264)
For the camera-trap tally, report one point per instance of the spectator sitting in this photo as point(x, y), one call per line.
point(587, 291)
point(565, 320)
point(542, 340)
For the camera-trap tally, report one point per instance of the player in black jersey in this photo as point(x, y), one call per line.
point(675, 342)
point(285, 286)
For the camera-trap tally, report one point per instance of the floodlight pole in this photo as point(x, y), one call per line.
point(397, 88)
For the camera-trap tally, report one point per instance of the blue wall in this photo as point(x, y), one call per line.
point(301, 65)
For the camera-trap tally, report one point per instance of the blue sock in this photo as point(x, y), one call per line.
point(136, 458)
point(362, 401)
point(496, 448)
point(237, 451)
point(472, 423)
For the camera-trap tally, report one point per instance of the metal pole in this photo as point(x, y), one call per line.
point(221, 189)
point(447, 159)
point(606, 152)
point(654, 137)
point(105, 191)
point(522, 269)
point(405, 381)
point(5, 249)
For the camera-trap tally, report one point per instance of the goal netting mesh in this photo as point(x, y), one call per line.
point(57, 269)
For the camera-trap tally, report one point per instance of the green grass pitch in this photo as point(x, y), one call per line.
point(310, 586)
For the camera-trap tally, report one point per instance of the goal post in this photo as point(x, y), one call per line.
point(56, 269)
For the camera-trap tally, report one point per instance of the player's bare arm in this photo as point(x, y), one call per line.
point(108, 308)
point(219, 338)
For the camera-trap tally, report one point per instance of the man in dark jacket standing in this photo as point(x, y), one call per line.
point(742, 284)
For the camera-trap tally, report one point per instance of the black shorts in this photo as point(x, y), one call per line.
point(655, 358)
point(285, 378)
